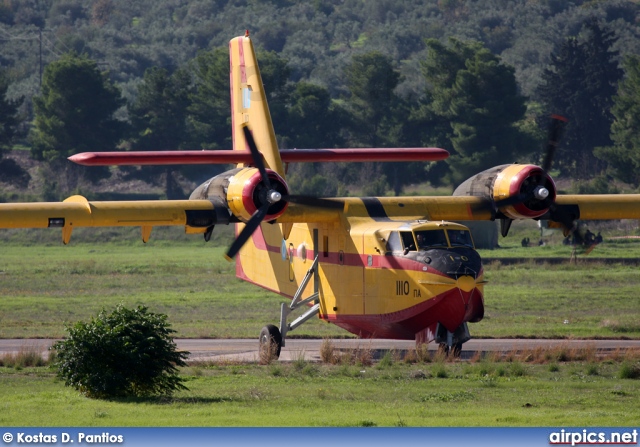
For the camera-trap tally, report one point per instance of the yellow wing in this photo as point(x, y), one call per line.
point(196, 215)
point(465, 208)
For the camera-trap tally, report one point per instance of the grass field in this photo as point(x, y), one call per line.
point(44, 287)
point(392, 392)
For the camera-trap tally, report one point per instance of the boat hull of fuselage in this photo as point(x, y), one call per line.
point(451, 309)
point(361, 292)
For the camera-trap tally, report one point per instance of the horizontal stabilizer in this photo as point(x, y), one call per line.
point(241, 156)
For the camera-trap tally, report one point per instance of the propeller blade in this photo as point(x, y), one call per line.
point(513, 200)
point(247, 231)
point(556, 128)
point(257, 156)
point(565, 218)
point(314, 201)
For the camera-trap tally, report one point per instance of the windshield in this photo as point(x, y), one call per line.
point(431, 238)
point(460, 238)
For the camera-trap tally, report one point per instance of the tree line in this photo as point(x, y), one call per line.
point(471, 104)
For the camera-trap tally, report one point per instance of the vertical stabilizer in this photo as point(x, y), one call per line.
point(249, 103)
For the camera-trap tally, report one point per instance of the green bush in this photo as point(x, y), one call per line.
point(629, 371)
point(128, 352)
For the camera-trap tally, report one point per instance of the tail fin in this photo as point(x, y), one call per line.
point(249, 103)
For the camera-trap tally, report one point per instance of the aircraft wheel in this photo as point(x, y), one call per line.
point(270, 343)
point(456, 350)
point(453, 352)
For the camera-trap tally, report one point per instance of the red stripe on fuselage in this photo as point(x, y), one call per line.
point(451, 309)
point(352, 259)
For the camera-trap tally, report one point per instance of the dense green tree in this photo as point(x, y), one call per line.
point(623, 157)
point(471, 90)
point(159, 120)
point(209, 112)
point(8, 116)
point(10, 171)
point(159, 114)
point(314, 120)
point(376, 117)
point(75, 113)
point(580, 84)
point(275, 73)
point(371, 80)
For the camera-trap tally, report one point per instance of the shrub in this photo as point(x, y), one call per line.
point(327, 351)
point(122, 354)
point(629, 371)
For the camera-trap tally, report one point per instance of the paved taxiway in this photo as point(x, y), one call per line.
point(246, 350)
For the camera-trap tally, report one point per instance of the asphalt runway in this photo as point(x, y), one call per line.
point(246, 350)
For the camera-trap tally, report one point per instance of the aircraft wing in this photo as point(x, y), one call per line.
point(392, 208)
point(464, 208)
point(601, 206)
point(76, 211)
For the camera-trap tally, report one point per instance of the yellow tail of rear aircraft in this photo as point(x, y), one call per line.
point(383, 267)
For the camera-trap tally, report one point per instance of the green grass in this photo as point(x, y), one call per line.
point(401, 394)
point(558, 301)
point(44, 287)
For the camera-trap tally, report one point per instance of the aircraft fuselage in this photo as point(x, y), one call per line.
point(375, 278)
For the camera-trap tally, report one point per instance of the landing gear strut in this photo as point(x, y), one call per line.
point(272, 339)
point(450, 343)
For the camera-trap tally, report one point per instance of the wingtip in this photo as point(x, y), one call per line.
point(83, 158)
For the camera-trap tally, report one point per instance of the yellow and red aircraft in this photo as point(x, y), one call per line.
point(385, 267)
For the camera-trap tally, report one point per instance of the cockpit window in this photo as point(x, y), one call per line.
point(460, 238)
point(407, 240)
point(393, 244)
point(431, 238)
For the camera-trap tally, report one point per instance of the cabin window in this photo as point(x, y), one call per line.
point(325, 246)
point(246, 97)
point(431, 239)
point(393, 244)
point(460, 238)
point(407, 240)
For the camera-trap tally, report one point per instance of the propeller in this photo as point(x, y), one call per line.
point(534, 191)
point(271, 197)
point(537, 191)
point(556, 129)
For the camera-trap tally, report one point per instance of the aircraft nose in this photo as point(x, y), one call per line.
point(466, 283)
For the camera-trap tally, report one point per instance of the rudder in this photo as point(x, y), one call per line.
point(249, 103)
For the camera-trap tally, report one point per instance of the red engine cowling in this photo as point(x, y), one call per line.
point(516, 186)
point(244, 192)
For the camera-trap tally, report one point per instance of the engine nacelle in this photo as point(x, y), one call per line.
point(243, 192)
point(530, 182)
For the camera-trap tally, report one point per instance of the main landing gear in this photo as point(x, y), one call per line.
point(450, 343)
point(272, 339)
